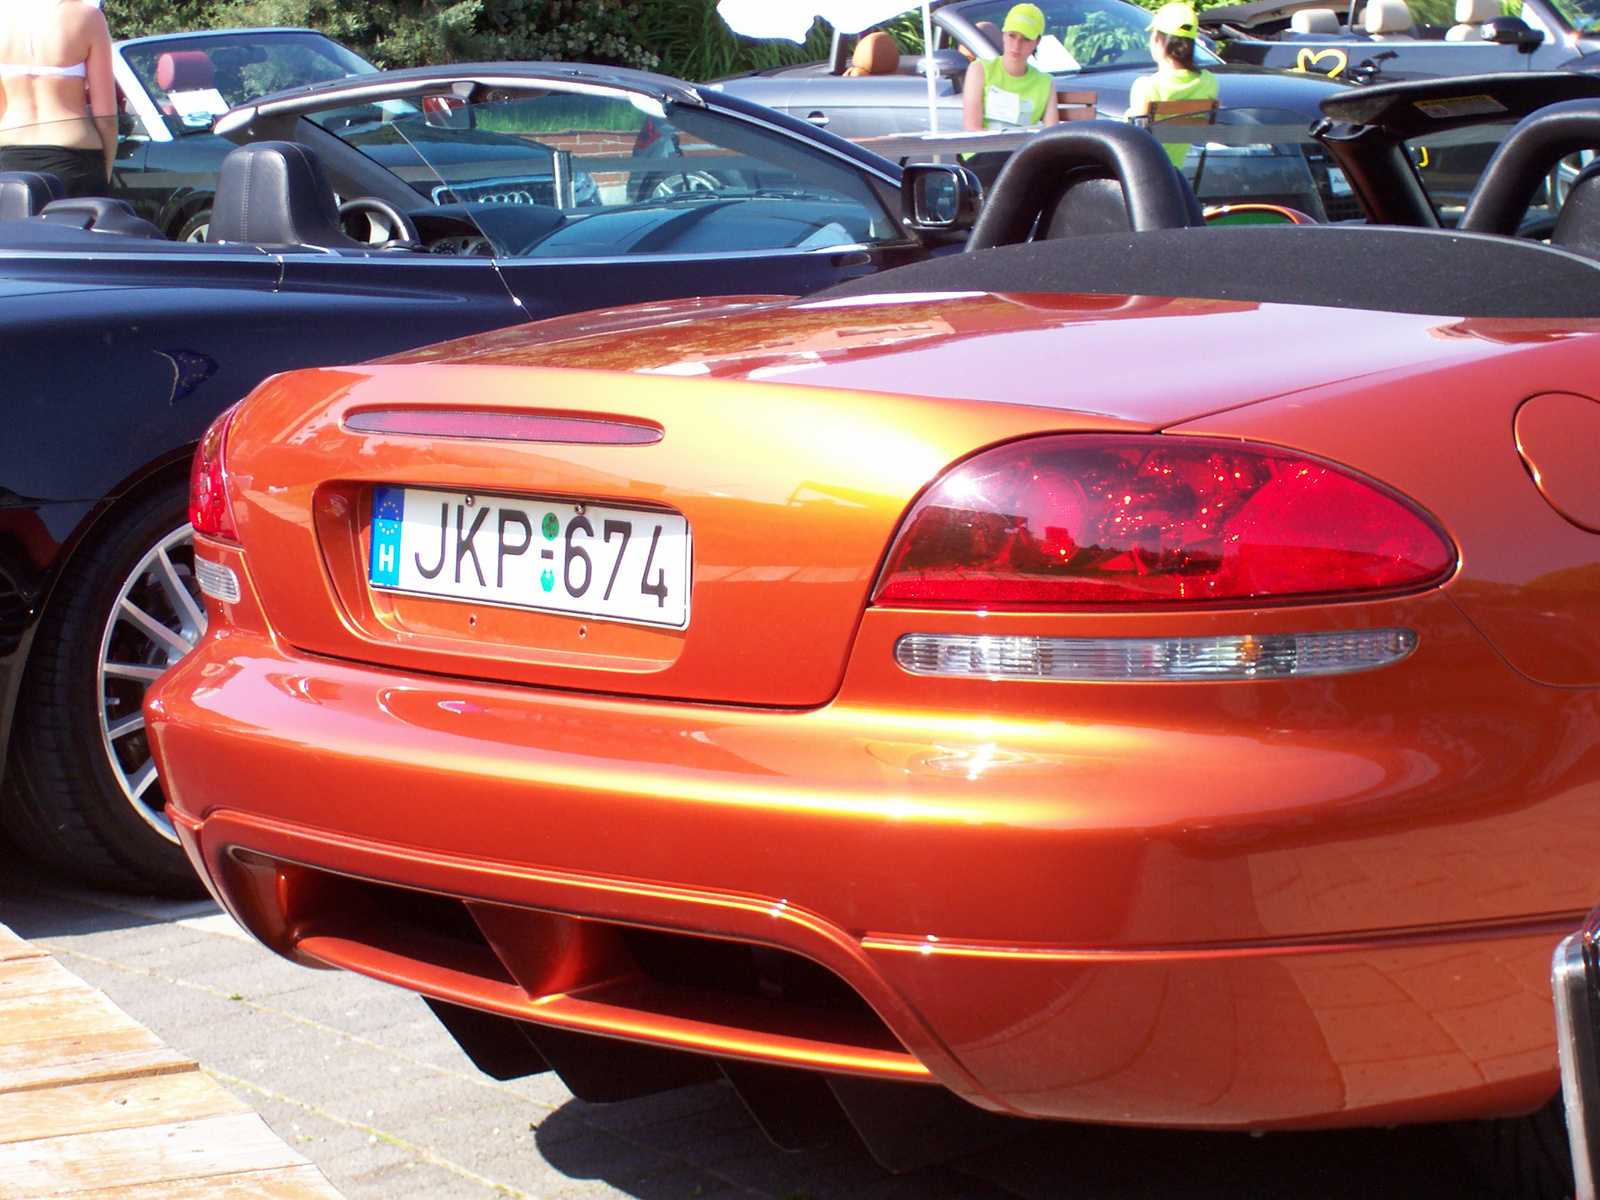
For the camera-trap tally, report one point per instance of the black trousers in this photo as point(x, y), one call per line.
point(82, 172)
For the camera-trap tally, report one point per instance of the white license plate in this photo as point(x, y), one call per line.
point(589, 560)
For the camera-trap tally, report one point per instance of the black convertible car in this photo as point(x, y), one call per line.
point(480, 196)
point(169, 89)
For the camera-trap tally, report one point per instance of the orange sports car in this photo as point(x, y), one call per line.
point(974, 691)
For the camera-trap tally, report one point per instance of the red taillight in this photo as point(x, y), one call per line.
point(209, 510)
point(1105, 519)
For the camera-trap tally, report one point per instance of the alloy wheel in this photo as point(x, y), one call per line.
point(157, 619)
point(685, 181)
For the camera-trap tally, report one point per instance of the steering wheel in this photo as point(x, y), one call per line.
point(1114, 165)
point(398, 230)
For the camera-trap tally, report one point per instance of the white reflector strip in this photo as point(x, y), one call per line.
point(1153, 660)
point(217, 581)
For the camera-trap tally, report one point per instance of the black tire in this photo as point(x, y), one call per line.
point(1522, 1158)
point(81, 793)
point(196, 228)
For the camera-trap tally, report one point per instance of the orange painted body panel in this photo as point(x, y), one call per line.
point(1308, 902)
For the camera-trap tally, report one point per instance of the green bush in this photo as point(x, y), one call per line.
point(685, 38)
point(409, 33)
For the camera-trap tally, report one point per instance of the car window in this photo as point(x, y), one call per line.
point(567, 175)
point(1255, 153)
point(1085, 34)
point(1582, 15)
point(195, 79)
point(1450, 163)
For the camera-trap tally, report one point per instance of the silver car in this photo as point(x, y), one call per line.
point(1098, 46)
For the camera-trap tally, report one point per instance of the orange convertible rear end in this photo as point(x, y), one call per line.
point(1012, 693)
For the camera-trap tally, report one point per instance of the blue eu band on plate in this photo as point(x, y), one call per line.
point(618, 564)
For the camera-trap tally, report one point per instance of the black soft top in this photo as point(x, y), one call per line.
point(1433, 272)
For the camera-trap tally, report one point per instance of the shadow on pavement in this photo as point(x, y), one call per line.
point(37, 903)
point(1083, 1162)
point(1061, 1162)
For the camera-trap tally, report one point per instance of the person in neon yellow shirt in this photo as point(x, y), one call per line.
point(1172, 34)
point(1007, 92)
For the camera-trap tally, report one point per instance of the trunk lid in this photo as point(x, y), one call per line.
point(791, 493)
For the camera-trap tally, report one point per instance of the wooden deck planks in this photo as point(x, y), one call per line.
point(13, 947)
point(304, 1182)
point(52, 1112)
point(150, 1154)
point(93, 1106)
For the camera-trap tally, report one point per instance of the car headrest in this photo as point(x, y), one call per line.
point(276, 194)
point(101, 214)
point(876, 54)
point(1387, 16)
point(1578, 223)
point(1038, 180)
point(185, 71)
point(1476, 12)
point(1091, 202)
point(25, 193)
point(1314, 20)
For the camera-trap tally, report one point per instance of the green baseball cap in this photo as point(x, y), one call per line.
point(1176, 20)
point(1025, 19)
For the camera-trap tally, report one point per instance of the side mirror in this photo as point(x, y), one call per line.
point(939, 199)
point(1511, 31)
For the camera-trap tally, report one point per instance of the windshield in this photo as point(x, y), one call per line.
point(194, 79)
point(1582, 15)
point(1450, 163)
point(564, 175)
point(1087, 35)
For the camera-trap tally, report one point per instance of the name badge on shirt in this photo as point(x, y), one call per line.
point(1007, 108)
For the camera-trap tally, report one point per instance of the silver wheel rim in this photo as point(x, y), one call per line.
point(156, 620)
point(685, 181)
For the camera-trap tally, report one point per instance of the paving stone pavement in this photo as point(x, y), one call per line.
point(360, 1078)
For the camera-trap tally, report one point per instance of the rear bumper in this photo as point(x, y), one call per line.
point(1327, 925)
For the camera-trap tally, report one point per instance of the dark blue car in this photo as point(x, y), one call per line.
point(355, 218)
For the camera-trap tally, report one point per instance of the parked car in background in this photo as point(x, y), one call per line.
point(1142, 677)
point(518, 191)
point(1093, 46)
point(172, 86)
point(1384, 40)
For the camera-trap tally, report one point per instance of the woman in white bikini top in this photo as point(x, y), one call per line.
point(56, 91)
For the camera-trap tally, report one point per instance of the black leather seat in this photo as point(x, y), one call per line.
point(25, 193)
point(102, 215)
point(1578, 222)
point(276, 194)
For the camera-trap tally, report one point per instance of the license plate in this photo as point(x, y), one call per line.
point(588, 560)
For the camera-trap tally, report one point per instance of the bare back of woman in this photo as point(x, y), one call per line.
point(58, 105)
